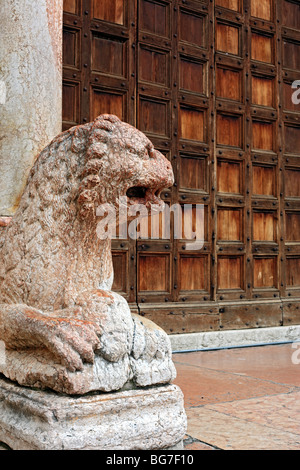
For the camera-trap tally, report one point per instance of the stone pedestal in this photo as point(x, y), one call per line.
point(142, 419)
point(30, 89)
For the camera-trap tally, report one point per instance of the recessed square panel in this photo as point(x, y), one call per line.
point(263, 91)
point(192, 77)
point(109, 10)
point(262, 9)
point(292, 226)
point(154, 273)
point(289, 94)
point(71, 47)
point(153, 116)
point(230, 224)
point(229, 177)
point(229, 84)
point(291, 14)
point(230, 272)
point(154, 66)
point(264, 273)
point(263, 135)
point(105, 102)
point(293, 272)
point(292, 139)
point(230, 4)
point(193, 273)
point(120, 271)
point(192, 124)
point(194, 223)
point(229, 130)
point(70, 6)
point(264, 226)
point(154, 17)
point(227, 39)
point(70, 102)
point(292, 182)
point(193, 172)
point(264, 182)
point(192, 28)
point(262, 48)
point(291, 55)
point(108, 55)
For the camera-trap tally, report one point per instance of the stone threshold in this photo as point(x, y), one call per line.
point(212, 340)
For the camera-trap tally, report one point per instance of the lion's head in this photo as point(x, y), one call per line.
point(121, 161)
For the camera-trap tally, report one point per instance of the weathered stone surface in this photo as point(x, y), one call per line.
point(130, 420)
point(62, 327)
point(30, 89)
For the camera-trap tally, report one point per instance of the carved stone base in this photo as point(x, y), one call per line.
point(148, 419)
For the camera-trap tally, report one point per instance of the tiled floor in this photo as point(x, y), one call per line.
point(241, 399)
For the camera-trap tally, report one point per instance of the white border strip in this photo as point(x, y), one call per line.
point(234, 338)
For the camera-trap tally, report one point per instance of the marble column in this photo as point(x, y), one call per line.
point(30, 89)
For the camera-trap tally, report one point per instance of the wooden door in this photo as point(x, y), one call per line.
point(210, 83)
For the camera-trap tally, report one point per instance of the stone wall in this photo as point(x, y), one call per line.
point(30, 89)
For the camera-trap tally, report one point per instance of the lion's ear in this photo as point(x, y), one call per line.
point(80, 139)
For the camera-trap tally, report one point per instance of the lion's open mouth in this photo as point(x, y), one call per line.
point(144, 195)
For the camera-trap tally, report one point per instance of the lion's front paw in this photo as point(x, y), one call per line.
point(71, 341)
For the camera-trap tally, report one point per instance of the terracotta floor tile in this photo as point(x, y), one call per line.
point(280, 411)
point(201, 386)
point(231, 433)
point(272, 363)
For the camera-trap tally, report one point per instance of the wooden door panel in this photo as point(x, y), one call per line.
point(230, 225)
point(155, 17)
point(192, 28)
point(192, 75)
point(71, 47)
point(192, 124)
point(293, 226)
point(154, 273)
point(108, 10)
point(120, 263)
point(230, 4)
point(263, 91)
point(264, 273)
point(153, 116)
point(229, 177)
point(71, 6)
point(291, 55)
point(194, 273)
point(262, 48)
point(263, 135)
point(292, 139)
point(108, 55)
point(193, 173)
point(106, 102)
point(229, 84)
point(262, 9)
point(264, 227)
point(264, 180)
point(230, 272)
point(293, 272)
point(154, 66)
point(227, 39)
point(291, 14)
point(71, 112)
point(292, 182)
point(288, 92)
point(229, 130)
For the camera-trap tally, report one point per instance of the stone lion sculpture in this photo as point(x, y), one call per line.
point(62, 326)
